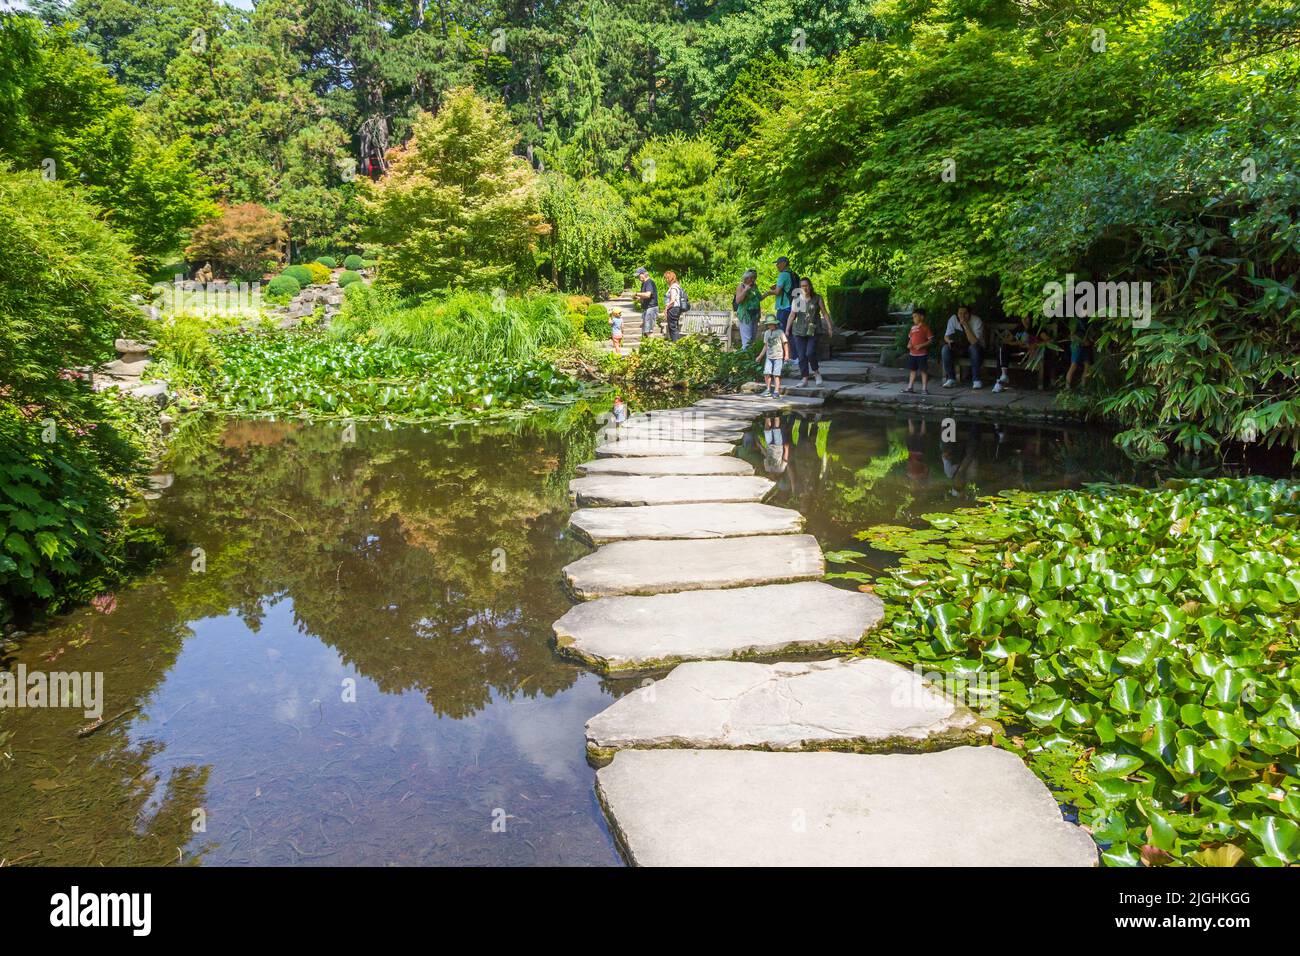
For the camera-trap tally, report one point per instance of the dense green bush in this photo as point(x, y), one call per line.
point(283, 287)
point(347, 277)
point(300, 274)
point(186, 350)
point(329, 262)
point(595, 322)
point(1139, 645)
point(354, 262)
point(696, 361)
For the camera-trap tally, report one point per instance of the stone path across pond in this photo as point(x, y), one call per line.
point(723, 761)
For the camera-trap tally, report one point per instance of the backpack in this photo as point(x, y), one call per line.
point(685, 300)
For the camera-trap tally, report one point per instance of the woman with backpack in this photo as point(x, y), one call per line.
point(809, 317)
point(674, 305)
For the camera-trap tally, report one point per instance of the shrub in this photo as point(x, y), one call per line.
point(319, 274)
point(595, 323)
point(697, 361)
point(354, 262)
point(300, 274)
point(329, 262)
point(244, 240)
point(186, 350)
point(283, 287)
point(347, 277)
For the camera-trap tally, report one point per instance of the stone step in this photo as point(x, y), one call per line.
point(660, 522)
point(614, 490)
point(657, 448)
point(658, 567)
point(855, 704)
point(668, 465)
point(629, 634)
point(968, 806)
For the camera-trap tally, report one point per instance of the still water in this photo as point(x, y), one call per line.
point(348, 660)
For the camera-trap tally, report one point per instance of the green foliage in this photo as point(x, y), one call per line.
point(329, 262)
point(334, 377)
point(1143, 642)
point(284, 287)
point(696, 361)
point(595, 322)
point(243, 241)
point(457, 207)
point(299, 273)
point(589, 228)
point(686, 213)
point(347, 277)
point(319, 274)
point(186, 350)
point(472, 325)
point(354, 262)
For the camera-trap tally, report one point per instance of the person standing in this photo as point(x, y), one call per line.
point(772, 357)
point(782, 289)
point(673, 305)
point(648, 299)
point(919, 338)
point(965, 333)
point(808, 318)
point(749, 303)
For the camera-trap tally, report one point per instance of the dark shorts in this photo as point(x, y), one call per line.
point(918, 363)
point(1080, 354)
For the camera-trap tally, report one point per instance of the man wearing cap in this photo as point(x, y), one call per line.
point(648, 299)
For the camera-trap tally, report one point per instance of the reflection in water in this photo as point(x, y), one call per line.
point(349, 662)
point(354, 668)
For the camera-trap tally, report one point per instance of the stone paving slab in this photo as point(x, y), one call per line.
point(670, 431)
point(668, 465)
point(596, 490)
point(698, 417)
point(854, 704)
point(1016, 403)
point(658, 567)
point(969, 806)
point(639, 633)
point(792, 400)
point(657, 448)
point(663, 522)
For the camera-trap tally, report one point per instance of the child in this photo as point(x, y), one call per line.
point(919, 338)
point(616, 329)
point(776, 453)
point(772, 357)
point(620, 410)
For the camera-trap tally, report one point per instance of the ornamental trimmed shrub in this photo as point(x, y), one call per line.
point(283, 288)
point(300, 274)
point(320, 275)
point(329, 262)
point(354, 262)
point(347, 277)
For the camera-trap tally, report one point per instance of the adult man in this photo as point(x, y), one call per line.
point(964, 334)
point(648, 299)
point(782, 289)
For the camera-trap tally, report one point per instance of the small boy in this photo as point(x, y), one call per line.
point(773, 356)
point(919, 338)
point(616, 329)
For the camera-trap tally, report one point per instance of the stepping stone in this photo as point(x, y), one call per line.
point(791, 400)
point(640, 633)
point(656, 448)
point(670, 465)
point(969, 806)
point(697, 417)
point(595, 490)
point(669, 431)
point(601, 525)
point(656, 567)
point(856, 704)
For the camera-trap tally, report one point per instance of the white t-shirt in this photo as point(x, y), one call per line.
point(674, 297)
point(958, 335)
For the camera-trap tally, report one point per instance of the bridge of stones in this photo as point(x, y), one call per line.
point(731, 759)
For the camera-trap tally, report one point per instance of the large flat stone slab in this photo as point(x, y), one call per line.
point(657, 567)
point(622, 634)
point(596, 490)
point(668, 465)
point(695, 417)
point(969, 806)
point(669, 431)
point(602, 525)
point(746, 398)
point(855, 704)
point(658, 448)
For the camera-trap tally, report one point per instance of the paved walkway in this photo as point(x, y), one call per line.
point(730, 761)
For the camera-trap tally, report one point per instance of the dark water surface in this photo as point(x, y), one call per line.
point(359, 670)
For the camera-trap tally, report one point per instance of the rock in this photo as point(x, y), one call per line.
point(640, 633)
point(656, 567)
point(792, 401)
point(857, 704)
point(969, 806)
point(668, 465)
point(156, 392)
point(602, 525)
point(161, 482)
point(594, 490)
point(122, 369)
point(133, 350)
point(649, 448)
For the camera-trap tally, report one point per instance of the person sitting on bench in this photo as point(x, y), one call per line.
point(1018, 342)
point(965, 333)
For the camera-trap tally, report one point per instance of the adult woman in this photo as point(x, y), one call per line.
point(808, 317)
point(673, 305)
point(749, 302)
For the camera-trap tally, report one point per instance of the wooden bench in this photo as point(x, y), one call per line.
point(994, 334)
point(716, 322)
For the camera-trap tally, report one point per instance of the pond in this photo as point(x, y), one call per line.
point(348, 661)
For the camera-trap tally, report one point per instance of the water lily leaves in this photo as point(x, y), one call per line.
point(1278, 836)
point(1229, 726)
